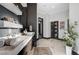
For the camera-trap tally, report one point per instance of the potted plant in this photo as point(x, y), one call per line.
point(69, 38)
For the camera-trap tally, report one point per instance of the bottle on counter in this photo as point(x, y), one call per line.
point(30, 27)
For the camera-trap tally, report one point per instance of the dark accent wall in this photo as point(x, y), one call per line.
point(23, 17)
point(32, 15)
point(32, 19)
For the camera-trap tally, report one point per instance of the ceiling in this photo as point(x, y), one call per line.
point(51, 8)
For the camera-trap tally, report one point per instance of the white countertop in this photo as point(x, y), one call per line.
point(10, 50)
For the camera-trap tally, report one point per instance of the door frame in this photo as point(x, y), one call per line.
point(42, 26)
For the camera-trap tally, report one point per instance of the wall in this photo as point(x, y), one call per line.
point(45, 10)
point(32, 16)
point(23, 17)
point(61, 16)
point(74, 16)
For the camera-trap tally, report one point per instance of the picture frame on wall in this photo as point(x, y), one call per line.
point(62, 24)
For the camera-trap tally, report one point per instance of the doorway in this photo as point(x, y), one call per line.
point(40, 27)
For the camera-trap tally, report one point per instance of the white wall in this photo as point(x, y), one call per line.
point(46, 27)
point(48, 19)
point(48, 16)
point(74, 16)
point(62, 16)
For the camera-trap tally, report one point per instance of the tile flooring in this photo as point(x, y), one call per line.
point(57, 47)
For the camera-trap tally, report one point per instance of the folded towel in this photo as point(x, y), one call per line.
point(1, 43)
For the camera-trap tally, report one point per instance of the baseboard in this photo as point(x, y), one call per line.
point(47, 37)
point(52, 38)
point(61, 39)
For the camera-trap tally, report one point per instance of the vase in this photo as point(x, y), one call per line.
point(68, 50)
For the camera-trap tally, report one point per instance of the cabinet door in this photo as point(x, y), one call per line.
point(29, 46)
point(54, 29)
point(27, 49)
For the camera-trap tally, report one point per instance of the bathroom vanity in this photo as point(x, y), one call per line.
point(14, 50)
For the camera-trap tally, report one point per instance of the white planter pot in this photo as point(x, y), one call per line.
point(68, 50)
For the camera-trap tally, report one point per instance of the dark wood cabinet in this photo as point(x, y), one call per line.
point(27, 50)
point(28, 47)
point(54, 29)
